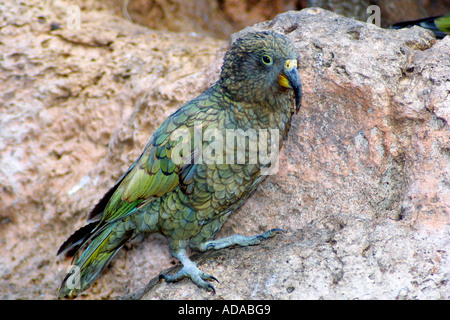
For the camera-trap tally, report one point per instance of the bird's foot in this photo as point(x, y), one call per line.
point(191, 271)
point(238, 239)
point(268, 234)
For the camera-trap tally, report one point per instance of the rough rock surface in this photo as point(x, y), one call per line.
point(336, 257)
point(220, 18)
point(366, 169)
point(363, 188)
point(77, 106)
point(390, 11)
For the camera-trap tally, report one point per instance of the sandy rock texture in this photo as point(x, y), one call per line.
point(390, 11)
point(77, 107)
point(218, 18)
point(221, 18)
point(363, 188)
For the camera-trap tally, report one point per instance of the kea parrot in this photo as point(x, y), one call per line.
point(179, 193)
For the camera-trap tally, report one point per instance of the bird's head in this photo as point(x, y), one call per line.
point(260, 66)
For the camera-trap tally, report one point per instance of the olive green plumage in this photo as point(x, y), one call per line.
point(189, 200)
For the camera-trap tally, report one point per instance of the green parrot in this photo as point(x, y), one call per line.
point(175, 188)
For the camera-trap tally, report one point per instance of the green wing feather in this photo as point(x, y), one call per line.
point(154, 173)
point(443, 23)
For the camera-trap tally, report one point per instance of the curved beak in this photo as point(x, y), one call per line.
point(290, 78)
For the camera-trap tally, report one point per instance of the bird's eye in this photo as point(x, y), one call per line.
point(267, 60)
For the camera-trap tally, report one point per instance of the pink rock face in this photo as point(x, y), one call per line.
point(372, 134)
point(363, 188)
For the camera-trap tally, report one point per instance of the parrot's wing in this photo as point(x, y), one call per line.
point(155, 173)
point(150, 176)
point(161, 167)
point(167, 158)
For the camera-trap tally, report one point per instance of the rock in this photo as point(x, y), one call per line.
point(336, 257)
point(220, 18)
point(78, 105)
point(362, 191)
point(363, 188)
point(217, 18)
point(390, 11)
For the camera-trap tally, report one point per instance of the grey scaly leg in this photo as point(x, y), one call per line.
point(235, 239)
point(189, 270)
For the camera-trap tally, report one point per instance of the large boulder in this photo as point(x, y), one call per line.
point(78, 106)
point(363, 187)
point(363, 190)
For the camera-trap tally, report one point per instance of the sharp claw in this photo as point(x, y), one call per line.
point(169, 278)
point(210, 287)
point(270, 234)
point(190, 269)
point(196, 277)
point(165, 277)
point(277, 230)
point(212, 278)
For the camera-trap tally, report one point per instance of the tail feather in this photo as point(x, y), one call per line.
point(77, 238)
point(104, 245)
